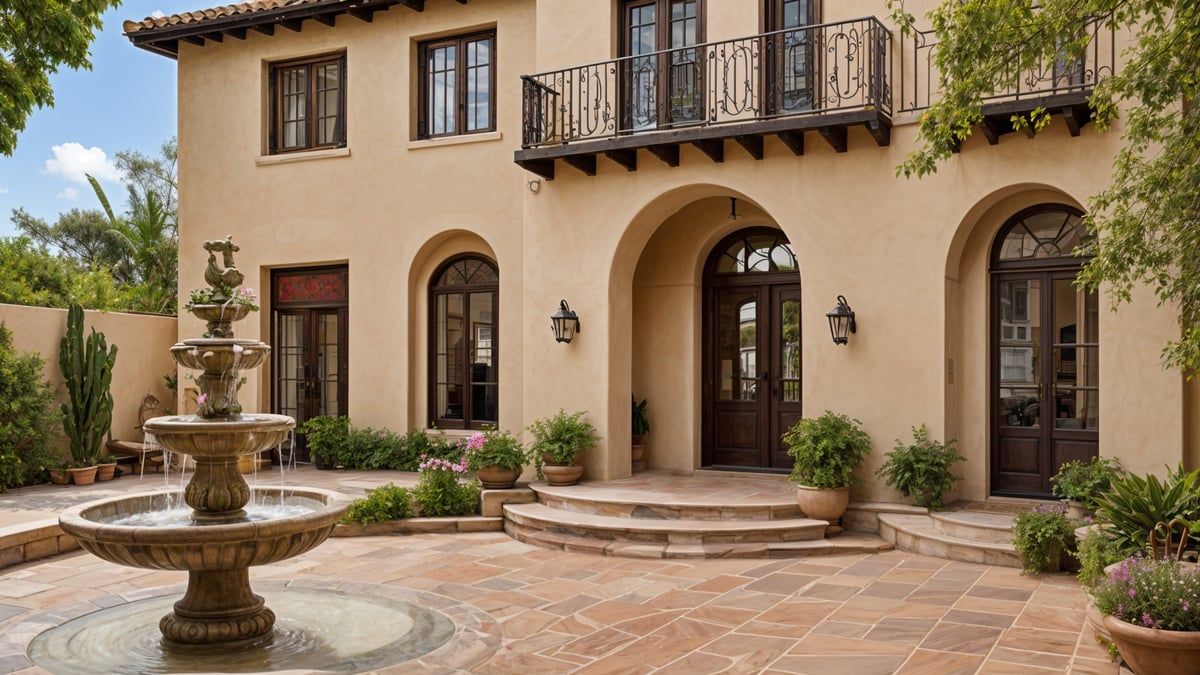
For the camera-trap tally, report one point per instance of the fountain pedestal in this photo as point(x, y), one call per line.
point(218, 607)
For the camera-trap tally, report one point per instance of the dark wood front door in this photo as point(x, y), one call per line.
point(309, 345)
point(1045, 366)
point(752, 384)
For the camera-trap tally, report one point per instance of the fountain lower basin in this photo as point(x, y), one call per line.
point(209, 546)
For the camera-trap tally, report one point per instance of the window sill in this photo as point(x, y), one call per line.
point(301, 156)
point(455, 140)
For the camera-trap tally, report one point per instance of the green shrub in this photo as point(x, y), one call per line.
point(561, 437)
point(386, 502)
point(1134, 504)
point(327, 438)
point(27, 417)
point(439, 493)
point(1084, 481)
point(1098, 550)
point(826, 449)
point(1039, 536)
point(640, 422)
point(921, 470)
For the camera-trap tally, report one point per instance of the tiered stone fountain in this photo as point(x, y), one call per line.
point(217, 541)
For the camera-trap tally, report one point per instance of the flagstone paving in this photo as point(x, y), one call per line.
point(557, 612)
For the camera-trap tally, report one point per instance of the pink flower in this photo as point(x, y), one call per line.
point(202, 399)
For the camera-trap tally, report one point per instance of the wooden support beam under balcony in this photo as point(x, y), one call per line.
point(998, 116)
point(585, 163)
point(750, 135)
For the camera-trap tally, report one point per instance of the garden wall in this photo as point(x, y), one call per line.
point(143, 354)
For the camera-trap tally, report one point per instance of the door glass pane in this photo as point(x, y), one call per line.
point(685, 64)
point(642, 76)
point(793, 53)
point(328, 351)
point(1020, 342)
point(289, 360)
point(789, 356)
point(448, 355)
point(1076, 357)
point(737, 353)
point(484, 385)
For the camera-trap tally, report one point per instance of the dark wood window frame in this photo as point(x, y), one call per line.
point(468, 420)
point(662, 40)
point(310, 64)
point(461, 93)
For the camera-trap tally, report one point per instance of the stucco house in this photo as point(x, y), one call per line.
point(416, 185)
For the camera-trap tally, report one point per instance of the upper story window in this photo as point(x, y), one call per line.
point(457, 79)
point(308, 104)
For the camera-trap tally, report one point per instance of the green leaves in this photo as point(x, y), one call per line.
point(921, 470)
point(87, 370)
point(827, 449)
point(1135, 505)
point(36, 37)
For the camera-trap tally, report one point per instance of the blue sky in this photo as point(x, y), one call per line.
point(127, 101)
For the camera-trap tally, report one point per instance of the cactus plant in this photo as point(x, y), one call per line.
point(87, 369)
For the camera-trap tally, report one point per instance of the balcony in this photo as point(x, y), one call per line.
point(824, 78)
point(1059, 85)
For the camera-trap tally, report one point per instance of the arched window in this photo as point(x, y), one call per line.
point(464, 349)
point(1045, 351)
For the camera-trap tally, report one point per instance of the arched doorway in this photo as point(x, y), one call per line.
point(751, 353)
point(1044, 352)
point(464, 359)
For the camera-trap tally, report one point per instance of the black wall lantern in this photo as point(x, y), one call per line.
point(564, 323)
point(841, 321)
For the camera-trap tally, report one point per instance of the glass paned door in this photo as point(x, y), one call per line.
point(1047, 379)
point(790, 47)
point(754, 371)
point(662, 83)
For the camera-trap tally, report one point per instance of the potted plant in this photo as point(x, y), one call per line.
point(1079, 483)
point(827, 449)
point(496, 457)
point(87, 370)
point(1150, 610)
point(557, 442)
point(921, 470)
point(640, 423)
point(326, 437)
point(1040, 535)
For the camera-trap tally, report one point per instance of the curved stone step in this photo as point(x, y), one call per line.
point(917, 534)
point(990, 528)
point(543, 526)
point(633, 503)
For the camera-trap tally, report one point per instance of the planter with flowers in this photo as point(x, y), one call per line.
point(496, 458)
point(1151, 609)
point(1040, 535)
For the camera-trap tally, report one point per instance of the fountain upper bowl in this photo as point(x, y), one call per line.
point(206, 438)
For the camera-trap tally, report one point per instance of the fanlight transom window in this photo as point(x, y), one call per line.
point(1054, 232)
point(757, 253)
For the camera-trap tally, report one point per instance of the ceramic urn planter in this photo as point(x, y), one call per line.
point(1150, 651)
point(497, 477)
point(824, 504)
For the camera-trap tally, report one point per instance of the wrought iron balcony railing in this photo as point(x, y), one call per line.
point(814, 70)
point(1050, 77)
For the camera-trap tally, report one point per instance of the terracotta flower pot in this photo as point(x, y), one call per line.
point(83, 476)
point(497, 477)
point(59, 477)
point(1156, 652)
point(562, 475)
point(106, 471)
point(824, 504)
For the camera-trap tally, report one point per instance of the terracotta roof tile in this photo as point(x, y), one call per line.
point(199, 16)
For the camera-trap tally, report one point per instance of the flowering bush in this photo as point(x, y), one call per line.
point(494, 447)
point(1039, 536)
point(223, 296)
point(439, 492)
point(1163, 594)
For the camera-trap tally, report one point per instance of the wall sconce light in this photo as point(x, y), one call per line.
point(564, 323)
point(733, 208)
point(841, 321)
point(535, 185)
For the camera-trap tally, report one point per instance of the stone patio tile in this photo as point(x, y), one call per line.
point(829, 591)
point(1054, 618)
point(999, 592)
point(725, 616)
point(903, 631)
point(1031, 658)
point(834, 644)
point(979, 618)
point(862, 609)
point(934, 597)
point(696, 662)
point(526, 623)
point(1005, 668)
point(907, 576)
point(747, 600)
point(1049, 596)
point(782, 583)
point(751, 653)
point(1011, 607)
point(799, 612)
point(571, 604)
point(858, 664)
point(613, 612)
point(648, 624)
point(889, 589)
point(720, 584)
point(926, 662)
point(1093, 667)
point(598, 643)
point(957, 637)
point(841, 629)
point(1038, 640)
point(813, 567)
point(786, 630)
point(918, 610)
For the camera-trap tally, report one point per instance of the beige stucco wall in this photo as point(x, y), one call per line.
point(143, 344)
point(626, 249)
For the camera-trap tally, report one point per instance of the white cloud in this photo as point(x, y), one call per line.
point(3, 191)
point(69, 193)
point(158, 14)
point(72, 161)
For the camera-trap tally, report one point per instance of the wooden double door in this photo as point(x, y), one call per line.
point(752, 391)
